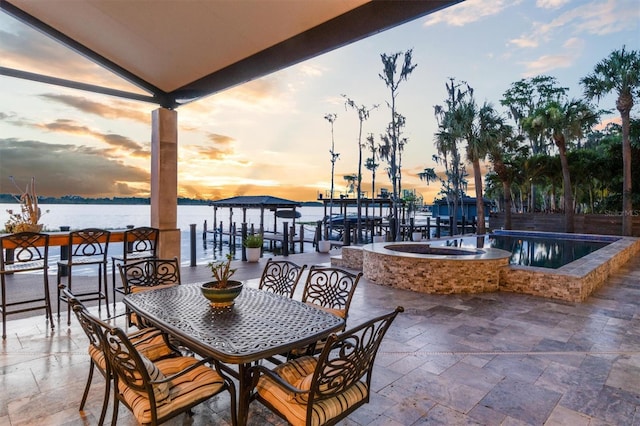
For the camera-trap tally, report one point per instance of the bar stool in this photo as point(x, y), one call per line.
point(22, 252)
point(138, 243)
point(86, 247)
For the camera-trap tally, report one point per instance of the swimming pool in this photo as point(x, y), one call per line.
point(537, 249)
point(576, 279)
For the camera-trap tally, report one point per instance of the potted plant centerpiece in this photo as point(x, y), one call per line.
point(27, 218)
point(222, 291)
point(253, 244)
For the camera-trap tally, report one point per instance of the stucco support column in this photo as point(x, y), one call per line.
point(164, 180)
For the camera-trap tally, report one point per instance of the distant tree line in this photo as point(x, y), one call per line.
point(76, 199)
point(545, 154)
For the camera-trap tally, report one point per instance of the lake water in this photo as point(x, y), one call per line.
point(118, 216)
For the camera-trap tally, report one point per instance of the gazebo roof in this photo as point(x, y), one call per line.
point(256, 201)
point(181, 51)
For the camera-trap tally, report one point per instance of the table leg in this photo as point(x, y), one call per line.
point(244, 393)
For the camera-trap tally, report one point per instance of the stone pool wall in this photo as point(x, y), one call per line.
point(441, 274)
point(573, 282)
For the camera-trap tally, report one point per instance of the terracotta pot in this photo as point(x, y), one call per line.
point(221, 297)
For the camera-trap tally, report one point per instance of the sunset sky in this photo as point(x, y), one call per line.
point(269, 136)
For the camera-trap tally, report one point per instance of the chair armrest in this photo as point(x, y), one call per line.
point(114, 317)
point(256, 370)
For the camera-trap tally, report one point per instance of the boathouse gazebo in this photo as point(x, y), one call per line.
point(279, 206)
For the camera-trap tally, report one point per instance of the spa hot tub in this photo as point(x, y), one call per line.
point(426, 269)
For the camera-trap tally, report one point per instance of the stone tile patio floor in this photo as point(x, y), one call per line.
point(487, 359)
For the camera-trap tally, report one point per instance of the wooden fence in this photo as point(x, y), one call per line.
point(584, 223)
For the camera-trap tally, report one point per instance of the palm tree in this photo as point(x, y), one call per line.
point(351, 182)
point(393, 74)
point(447, 138)
point(371, 164)
point(363, 114)
point(507, 157)
point(563, 122)
point(428, 175)
point(480, 128)
point(619, 72)
point(331, 118)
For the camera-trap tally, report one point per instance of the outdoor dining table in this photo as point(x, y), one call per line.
point(259, 325)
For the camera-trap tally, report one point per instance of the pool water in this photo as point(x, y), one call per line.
point(539, 249)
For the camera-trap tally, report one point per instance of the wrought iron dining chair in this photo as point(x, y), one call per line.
point(151, 342)
point(147, 274)
point(325, 389)
point(138, 243)
point(158, 391)
point(86, 247)
point(24, 252)
point(281, 277)
point(330, 289)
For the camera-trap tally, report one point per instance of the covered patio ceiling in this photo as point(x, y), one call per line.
point(181, 51)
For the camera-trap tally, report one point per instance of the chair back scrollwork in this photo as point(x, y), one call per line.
point(141, 240)
point(330, 288)
point(281, 277)
point(149, 272)
point(90, 242)
point(30, 251)
point(347, 358)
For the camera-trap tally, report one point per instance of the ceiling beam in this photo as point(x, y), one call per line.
point(40, 78)
point(159, 96)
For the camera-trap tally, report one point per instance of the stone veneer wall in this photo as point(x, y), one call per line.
point(351, 257)
point(433, 275)
point(573, 282)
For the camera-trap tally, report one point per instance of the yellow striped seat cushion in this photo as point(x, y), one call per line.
point(139, 288)
point(195, 385)
point(294, 409)
point(153, 347)
point(97, 355)
point(151, 343)
point(342, 313)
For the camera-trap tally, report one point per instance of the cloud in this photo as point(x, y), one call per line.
point(221, 139)
point(551, 4)
point(118, 143)
point(524, 42)
point(468, 12)
point(595, 18)
point(111, 139)
point(221, 149)
point(94, 175)
point(311, 70)
point(573, 49)
point(602, 18)
point(118, 110)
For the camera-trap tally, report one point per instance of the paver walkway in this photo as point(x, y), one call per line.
point(488, 359)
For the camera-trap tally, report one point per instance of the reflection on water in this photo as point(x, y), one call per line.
point(531, 251)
